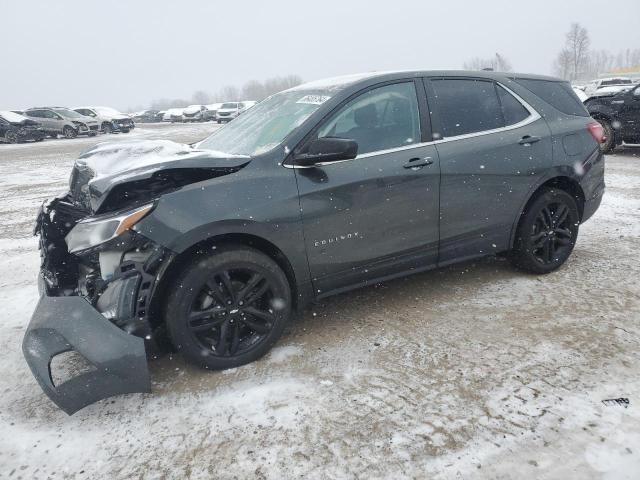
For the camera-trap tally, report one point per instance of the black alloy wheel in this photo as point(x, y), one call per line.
point(547, 232)
point(552, 233)
point(228, 309)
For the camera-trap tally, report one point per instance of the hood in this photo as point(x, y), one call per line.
point(111, 176)
point(192, 109)
point(16, 119)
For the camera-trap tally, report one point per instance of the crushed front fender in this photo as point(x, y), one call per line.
point(65, 324)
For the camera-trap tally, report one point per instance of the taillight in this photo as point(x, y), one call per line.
point(597, 132)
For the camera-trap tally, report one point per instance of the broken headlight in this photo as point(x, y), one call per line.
point(94, 231)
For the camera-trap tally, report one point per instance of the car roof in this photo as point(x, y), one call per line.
point(341, 82)
point(47, 108)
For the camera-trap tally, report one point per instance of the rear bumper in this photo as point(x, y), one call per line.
point(64, 324)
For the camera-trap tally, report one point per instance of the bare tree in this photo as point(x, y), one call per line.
point(562, 64)
point(497, 62)
point(201, 97)
point(577, 44)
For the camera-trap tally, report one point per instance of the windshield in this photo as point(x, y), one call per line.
point(616, 81)
point(265, 125)
point(229, 105)
point(67, 113)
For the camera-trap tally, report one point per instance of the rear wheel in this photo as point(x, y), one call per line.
point(547, 232)
point(69, 132)
point(229, 308)
point(610, 137)
point(11, 137)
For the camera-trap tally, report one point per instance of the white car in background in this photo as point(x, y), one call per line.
point(580, 93)
point(194, 113)
point(109, 119)
point(230, 110)
point(173, 115)
point(608, 86)
point(211, 110)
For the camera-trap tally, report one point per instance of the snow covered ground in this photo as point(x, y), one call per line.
point(475, 371)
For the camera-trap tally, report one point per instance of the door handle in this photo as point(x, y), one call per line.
point(417, 162)
point(528, 140)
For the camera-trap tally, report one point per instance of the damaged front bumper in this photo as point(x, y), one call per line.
point(94, 304)
point(63, 324)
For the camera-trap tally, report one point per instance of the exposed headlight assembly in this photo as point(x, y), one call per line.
point(95, 231)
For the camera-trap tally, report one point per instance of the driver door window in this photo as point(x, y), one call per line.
point(381, 119)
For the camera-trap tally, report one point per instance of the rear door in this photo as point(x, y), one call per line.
point(375, 215)
point(41, 117)
point(492, 145)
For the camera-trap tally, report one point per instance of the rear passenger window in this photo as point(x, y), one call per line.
point(514, 112)
point(557, 94)
point(467, 106)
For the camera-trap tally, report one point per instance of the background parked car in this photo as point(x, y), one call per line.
point(607, 86)
point(173, 115)
point(194, 113)
point(619, 116)
point(15, 128)
point(148, 116)
point(210, 112)
point(580, 93)
point(61, 120)
point(230, 110)
point(109, 119)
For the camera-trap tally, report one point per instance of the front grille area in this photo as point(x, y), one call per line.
point(93, 127)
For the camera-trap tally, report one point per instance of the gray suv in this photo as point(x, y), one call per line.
point(315, 191)
point(63, 121)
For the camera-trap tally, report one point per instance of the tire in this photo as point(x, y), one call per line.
point(11, 137)
point(219, 121)
point(69, 132)
point(229, 308)
point(107, 128)
point(610, 143)
point(547, 232)
point(54, 136)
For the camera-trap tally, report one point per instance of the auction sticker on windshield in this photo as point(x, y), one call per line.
point(314, 99)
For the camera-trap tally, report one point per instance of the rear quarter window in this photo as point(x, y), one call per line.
point(557, 94)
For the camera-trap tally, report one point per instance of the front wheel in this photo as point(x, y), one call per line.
point(229, 308)
point(610, 137)
point(547, 232)
point(107, 128)
point(69, 132)
point(11, 137)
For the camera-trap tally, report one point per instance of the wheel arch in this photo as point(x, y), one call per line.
point(241, 239)
point(560, 182)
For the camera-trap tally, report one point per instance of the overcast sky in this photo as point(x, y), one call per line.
point(127, 53)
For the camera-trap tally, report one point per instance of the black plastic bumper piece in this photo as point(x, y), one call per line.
point(64, 324)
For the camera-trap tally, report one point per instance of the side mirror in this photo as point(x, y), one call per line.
point(328, 149)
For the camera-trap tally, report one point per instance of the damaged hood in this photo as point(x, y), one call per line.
point(111, 176)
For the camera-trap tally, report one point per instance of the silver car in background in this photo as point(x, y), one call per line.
point(109, 119)
point(62, 121)
point(230, 110)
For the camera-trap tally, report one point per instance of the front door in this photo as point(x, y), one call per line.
point(375, 215)
point(630, 115)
